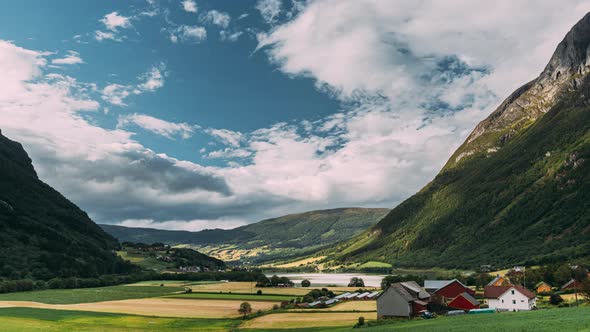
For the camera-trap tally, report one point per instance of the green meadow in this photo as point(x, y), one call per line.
point(86, 295)
point(27, 319)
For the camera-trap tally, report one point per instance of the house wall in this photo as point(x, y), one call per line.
point(452, 290)
point(512, 302)
point(391, 304)
point(461, 303)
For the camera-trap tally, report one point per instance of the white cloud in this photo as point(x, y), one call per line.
point(189, 6)
point(72, 58)
point(185, 225)
point(189, 34)
point(269, 9)
point(226, 136)
point(157, 126)
point(230, 36)
point(229, 153)
point(102, 35)
point(152, 80)
point(113, 21)
point(218, 18)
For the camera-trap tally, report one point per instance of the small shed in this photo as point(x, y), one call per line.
point(464, 301)
point(543, 287)
point(572, 284)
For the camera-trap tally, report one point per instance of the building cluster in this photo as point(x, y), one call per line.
point(356, 296)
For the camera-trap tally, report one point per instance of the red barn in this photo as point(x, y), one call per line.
point(572, 284)
point(464, 302)
point(447, 289)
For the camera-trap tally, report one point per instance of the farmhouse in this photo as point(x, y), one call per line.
point(464, 302)
point(572, 284)
point(499, 281)
point(446, 289)
point(543, 287)
point(511, 297)
point(402, 299)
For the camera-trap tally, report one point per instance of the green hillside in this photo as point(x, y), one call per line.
point(517, 191)
point(44, 235)
point(284, 237)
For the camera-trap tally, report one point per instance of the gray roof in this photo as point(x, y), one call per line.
point(313, 304)
point(342, 295)
point(331, 301)
point(353, 295)
point(436, 284)
point(363, 295)
point(403, 292)
point(372, 295)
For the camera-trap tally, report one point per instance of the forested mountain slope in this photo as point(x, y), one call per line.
point(517, 191)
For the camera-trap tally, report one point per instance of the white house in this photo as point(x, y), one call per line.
point(510, 297)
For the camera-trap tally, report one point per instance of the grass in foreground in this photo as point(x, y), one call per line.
point(86, 295)
point(26, 319)
point(233, 296)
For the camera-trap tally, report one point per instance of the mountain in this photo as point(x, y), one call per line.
point(517, 191)
point(288, 236)
point(44, 235)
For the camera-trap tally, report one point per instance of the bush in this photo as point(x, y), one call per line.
point(259, 292)
point(305, 283)
point(555, 299)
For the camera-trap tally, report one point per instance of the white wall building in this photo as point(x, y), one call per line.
point(511, 297)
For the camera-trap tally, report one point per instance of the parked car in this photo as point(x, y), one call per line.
point(426, 314)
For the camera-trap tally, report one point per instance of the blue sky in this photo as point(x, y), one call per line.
point(183, 114)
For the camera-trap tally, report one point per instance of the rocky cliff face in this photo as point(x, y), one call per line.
point(563, 74)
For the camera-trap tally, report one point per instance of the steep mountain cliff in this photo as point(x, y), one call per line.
point(517, 191)
point(43, 235)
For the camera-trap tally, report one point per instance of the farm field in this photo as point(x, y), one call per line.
point(160, 307)
point(27, 319)
point(305, 320)
point(233, 296)
point(172, 283)
point(85, 295)
point(248, 288)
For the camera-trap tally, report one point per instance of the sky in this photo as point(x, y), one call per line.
point(196, 114)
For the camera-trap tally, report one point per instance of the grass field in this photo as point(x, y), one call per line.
point(161, 307)
point(26, 319)
point(233, 296)
point(247, 288)
point(84, 295)
point(299, 320)
point(172, 283)
point(296, 263)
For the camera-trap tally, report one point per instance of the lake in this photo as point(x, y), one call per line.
point(338, 279)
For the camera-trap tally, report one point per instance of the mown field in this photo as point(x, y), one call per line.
point(85, 295)
point(227, 296)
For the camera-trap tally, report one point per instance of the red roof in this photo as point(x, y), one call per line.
point(494, 292)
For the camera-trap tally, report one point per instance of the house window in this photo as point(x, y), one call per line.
point(522, 301)
point(513, 292)
point(502, 301)
point(513, 301)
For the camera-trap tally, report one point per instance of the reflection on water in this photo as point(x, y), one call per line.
point(338, 279)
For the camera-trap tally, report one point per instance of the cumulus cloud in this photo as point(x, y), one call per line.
point(269, 9)
point(157, 126)
point(104, 171)
point(188, 34)
point(218, 18)
point(150, 81)
point(103, 35)
point(189, 6)
point(114, 21)
point(72, 58)
point(226, 136)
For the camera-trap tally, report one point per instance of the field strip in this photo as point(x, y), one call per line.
point(161, 307)
point(307, 320)
point(351, 306)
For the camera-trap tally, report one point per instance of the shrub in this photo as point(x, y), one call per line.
point(259, 292)
point(555, 299)
point(305, 283)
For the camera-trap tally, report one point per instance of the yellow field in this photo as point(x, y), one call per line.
point(307, 320)
point(246, 287)
point(355, 305)
point(161, 307)
point(300, 262)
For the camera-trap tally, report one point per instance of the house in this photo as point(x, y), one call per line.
point(510, 297)
point(499, 281)
point(402, 299)
point(446, 289)
point(572, 284)
point(464, 302)
point(542, 287)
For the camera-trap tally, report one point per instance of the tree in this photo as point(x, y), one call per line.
point(356, 282)
point(563, 274)
point(361, 321)
point(555, 299)
point(305, 283)
point(585, 289)
point(245, 309)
